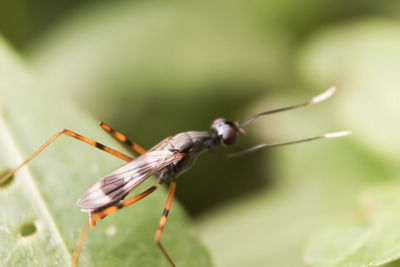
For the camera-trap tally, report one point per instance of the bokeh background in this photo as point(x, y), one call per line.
point(155, 68)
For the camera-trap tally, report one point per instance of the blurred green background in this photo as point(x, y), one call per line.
point(152, 69)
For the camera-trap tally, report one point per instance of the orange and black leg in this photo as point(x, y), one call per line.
point(93, 218)
point(122, 138)
point(163, 220)
point(76, 136)
point(114, 208)
point(86, 140)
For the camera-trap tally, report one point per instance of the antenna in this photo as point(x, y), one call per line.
point(261, 146)
point(319, 98)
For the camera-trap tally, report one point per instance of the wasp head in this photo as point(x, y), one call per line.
point(226, 131)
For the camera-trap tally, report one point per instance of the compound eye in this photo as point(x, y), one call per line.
point(228, 135)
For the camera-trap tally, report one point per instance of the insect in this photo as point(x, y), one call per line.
point(167, 160)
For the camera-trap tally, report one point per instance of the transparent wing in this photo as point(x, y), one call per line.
point(162, 144)
point(115, 186)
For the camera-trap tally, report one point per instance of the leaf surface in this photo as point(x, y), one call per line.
point(362, 57)
point(40, 223)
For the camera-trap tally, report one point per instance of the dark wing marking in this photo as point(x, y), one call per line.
point(115, 186)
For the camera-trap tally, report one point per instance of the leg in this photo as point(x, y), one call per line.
point(122, 138)
point(79, 244)
point(76, 136)
point(114, 208)
point(163, 220)
point(102, 214)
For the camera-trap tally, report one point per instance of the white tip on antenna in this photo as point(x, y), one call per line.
point(325, 95)
point(261, 146)
point(316, 99)
point(337, 134)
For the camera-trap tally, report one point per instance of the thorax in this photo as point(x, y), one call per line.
point(191, 144)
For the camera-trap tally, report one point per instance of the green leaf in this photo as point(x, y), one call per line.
point(370, 236)
point(40, 223)
point(362, 58)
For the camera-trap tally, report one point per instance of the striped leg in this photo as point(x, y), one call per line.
point(114, 208)
point(122, 138)
point(76, 136)
point(163, 220)
point(102, 214)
